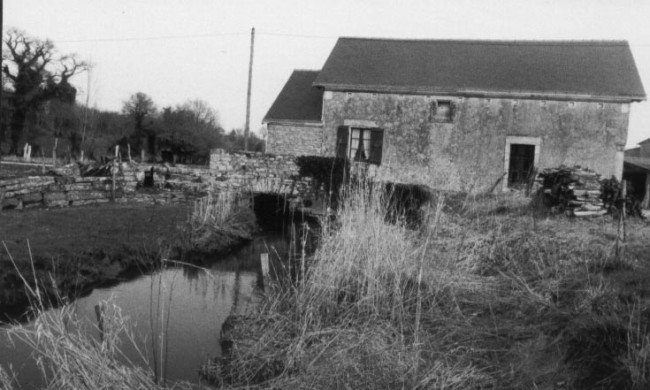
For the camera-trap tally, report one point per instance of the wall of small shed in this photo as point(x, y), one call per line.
point(468, 154)
point(295, 140)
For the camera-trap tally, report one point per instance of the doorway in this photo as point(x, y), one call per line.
point(522, 164)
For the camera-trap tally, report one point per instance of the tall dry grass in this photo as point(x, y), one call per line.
point(72, 354)
point(217, 221)
point(490, 292)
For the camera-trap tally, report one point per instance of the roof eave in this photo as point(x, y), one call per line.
point(478, 93)
point(292, 122)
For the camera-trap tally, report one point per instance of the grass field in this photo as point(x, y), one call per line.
point(489, 293)
point(84, 246)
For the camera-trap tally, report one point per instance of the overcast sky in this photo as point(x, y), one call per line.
point(177, 50)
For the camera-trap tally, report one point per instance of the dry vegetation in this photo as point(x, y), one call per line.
point(220, 222)
point(490, 292)
point(72, 356)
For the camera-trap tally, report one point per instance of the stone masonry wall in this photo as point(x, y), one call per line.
point(59, 191)
point(468, 154)
point(248, 172)
point(257, 172)
point(294, 140)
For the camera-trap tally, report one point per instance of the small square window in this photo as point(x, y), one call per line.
point(442, 111)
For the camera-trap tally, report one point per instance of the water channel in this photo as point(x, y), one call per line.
point(195, 301)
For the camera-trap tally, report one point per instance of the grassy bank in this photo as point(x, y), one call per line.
point(79, 248)
point(76, 249)
point(489, 292)
point(72, 353)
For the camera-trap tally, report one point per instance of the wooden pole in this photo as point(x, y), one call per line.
point(248, 94)
point(2, 109)
point(56, 143)
point(624, 198)
point(100, 313)
point(646, 197)
point(113, 171)
point(264, 260)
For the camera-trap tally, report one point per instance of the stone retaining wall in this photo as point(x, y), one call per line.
point(248, 172)
point(258, 173)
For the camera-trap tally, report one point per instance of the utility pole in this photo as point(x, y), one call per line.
point(248, 95)
point(2, 12)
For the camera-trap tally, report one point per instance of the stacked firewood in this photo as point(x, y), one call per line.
point(576, 191)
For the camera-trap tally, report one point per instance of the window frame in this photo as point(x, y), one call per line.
point(435, 112)
point(374, 136)
point(520, 140)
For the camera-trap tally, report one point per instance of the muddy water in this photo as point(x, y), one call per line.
point(186, 304)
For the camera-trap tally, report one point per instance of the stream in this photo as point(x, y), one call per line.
point(194, 303)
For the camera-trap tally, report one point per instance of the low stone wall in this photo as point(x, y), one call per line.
point(257, 173)
point(246, 172)
point(57, 191)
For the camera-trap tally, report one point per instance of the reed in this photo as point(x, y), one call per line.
point(489, 292)
point(217, 221)
point(73, 355)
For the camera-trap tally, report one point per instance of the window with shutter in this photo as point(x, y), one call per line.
point(365, 145)
point(376, 145)
point(342, 135)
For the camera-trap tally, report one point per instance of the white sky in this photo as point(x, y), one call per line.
point(175, 50)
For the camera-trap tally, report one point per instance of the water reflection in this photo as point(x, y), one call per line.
point(176, 312)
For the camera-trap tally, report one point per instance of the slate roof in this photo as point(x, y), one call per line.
point(638, 162)
point(580, 70)
point(633, 152)
point(298, 101)
point(645, 141)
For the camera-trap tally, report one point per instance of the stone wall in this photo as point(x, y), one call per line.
point(248, 172)
point(59, 191)
point(294, 140)
point(469, 153)
point(258, 173)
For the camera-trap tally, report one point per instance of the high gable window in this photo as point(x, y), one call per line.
point(360, 144)
point(442, 111)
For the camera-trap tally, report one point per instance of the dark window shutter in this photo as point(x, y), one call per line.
point(342, 135)
point(376, 145)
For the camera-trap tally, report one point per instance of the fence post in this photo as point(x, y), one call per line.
point(264, 260)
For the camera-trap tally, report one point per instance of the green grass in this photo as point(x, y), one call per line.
point(82, 247)
point(490, 292)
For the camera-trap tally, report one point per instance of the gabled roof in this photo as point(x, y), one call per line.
point(298, 101)
point(645, 141)
point(589, 70)
point(633, 152)
point(642, 163)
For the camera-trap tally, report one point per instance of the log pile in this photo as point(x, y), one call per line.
point(576, 191)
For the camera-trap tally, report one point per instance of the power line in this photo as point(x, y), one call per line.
point(154, 38)
point(214, 35)
point(165, 37)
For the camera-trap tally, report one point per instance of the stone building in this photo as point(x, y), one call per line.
point(462, 115)
point(636, 171)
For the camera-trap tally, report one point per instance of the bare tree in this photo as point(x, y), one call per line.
point(35, 74)
point(202, 112)
point(141, 109)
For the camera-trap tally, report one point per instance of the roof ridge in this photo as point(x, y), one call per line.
point(538, 42)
